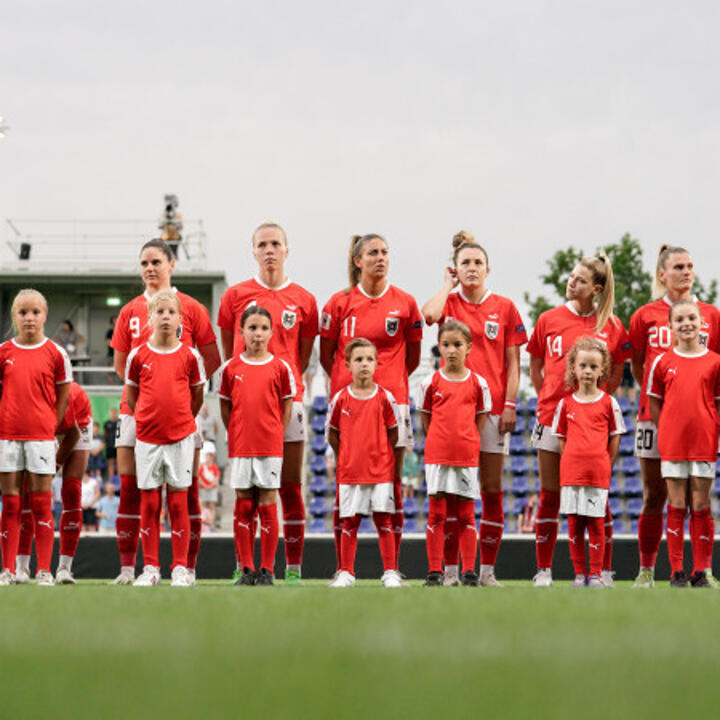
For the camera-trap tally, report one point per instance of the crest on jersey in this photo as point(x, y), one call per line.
point(288, 319)
point(703, 337)
point(391, 325)
point(491, 329)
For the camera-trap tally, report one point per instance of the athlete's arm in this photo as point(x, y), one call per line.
point(537, 372)
point(637, 365)
point(334, 442)
point(508, 415)
point(616, 373)
point(561, 444)
point(287, 411)
point(69, 441)
point(480, 421)
point(211, 358)
point(328, 346)
point(62, 398)
point(655, 407)
point(398, 452)
point(425, 418)
point(412, 356)
point(613, 448)
point(226, 338)
point(131, 394)
point(225, 410)
point(119, 362)
point(433, 308)
point(306, 346)
point(196, 398)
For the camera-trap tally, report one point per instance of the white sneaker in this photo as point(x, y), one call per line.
point(191, 576)
point(22, 575)
point(149, 576)
point(343, 579)
point(180, 577)
point(7, 578)
point(391, 579)
point(488, 579)
point(608, 577)
point(126, 577)
point(63, 576)
point(451, 578)
point(543, 578)
point(44, 577)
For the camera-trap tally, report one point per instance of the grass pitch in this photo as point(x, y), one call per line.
point(215, 651)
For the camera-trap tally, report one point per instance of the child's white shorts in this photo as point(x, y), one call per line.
point(35, 456)
point(492, 440)
point(84, 441)
point(366, 499)
point(296, 429)
point(581, 500)
point(259, 472)
point(687, 469)
point(543, 439)
point(158, 464)
point(646, 440)
point(461, 481)
point(125, 435)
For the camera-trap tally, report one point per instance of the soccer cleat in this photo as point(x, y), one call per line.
point(126, 577)
point(292, 578)
point(246, 576)
point(392, 579)
point(488, 579)
point(435, 579)
point(679, 579)
point(699, 579)
point(265, 577)
point(237, 574)
point(149, 576)
point(645, 578)
point(579, 581)
point(44, 578)
point(451, 577)
point(7, 578)
point(469, 579)
point(543, 578)
point(63, 576)
point(191, 576)
point(595, 581)
point(179, 577)
point(608, 577)
point(22, 576)
point(342, 579)
point(713, 581)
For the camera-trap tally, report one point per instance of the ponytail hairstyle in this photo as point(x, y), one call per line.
point(602, 274)
point(587, 344)
point(465, 239)
point(357, 243)
point(666, 250)
point(26, 292)
point(160, 245)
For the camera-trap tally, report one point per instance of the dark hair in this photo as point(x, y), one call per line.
point(254, 310)
point(455, 326)
point(358, 343)
point(69, 324)
point(160, 245)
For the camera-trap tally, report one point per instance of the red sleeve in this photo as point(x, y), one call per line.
point(536, 343)
point(226, 317)
point(622, 349)
point(559, 426)
point(515, 333)
point(202, 327)
point(121, 340)
point(309, 327)
point(414, 327)
point(330, 320)
point(637, 335)
point(714, 343)
point(388, 412)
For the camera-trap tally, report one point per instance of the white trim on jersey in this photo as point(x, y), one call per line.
point(331, 408)
point(556, 418)
point(360, 397)
point(393, 404)
point(704, 351)
point(569, 305)
point(422, 391)
point(201, 367)
point(597, 398)
point(130, 357)
point(620, 428)
point(164, 352)
point(149, 297)
point(485, 296)
point(460, 380)
point(245, 359)
point(287, 283)
point(293, 386)
point(221, 372)
point(66, 363)
point(650, 376)
point(29, 347)
point(373, 297)
point(487, 399)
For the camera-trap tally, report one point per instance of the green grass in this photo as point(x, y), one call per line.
point(216, 651)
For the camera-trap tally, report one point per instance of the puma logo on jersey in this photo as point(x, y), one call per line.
point(145, 532)
point(489, 540)
point(291, 307)
point(542, 538)
point(345, 412)
point(273, 473)
point(265, 529)
point(571, 539)
point(570, 416)
point(704, 537)
point(45, 523)
point(602, 334)
point(672, 371)
point(178, 533)
point(44, 459)
point(124, 534)
point(347, 532)
point(431, 528)
point(240, 378)
point(594, 547)
point(147, 365)
point(386, 529)
point(591, 501)
point(676, 533)
point(394, 312)
point(494, 316)
point(4, 535)
point(10, 361)
point(438, 393)
point(71, 526)
point(244, 526)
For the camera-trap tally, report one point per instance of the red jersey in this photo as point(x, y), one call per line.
point(689, 423)
point(256, 391)
point(496, 325)
point(389, 321)
point(366, 456)
point(454, 405)
point(29, 374)
point(163, 410)
point(650, 336)
point(132, 327)
point(208, 476)
point(79, 411)
point(555, 333)
point(587, 426)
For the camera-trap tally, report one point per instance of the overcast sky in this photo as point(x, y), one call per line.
point(533, 124)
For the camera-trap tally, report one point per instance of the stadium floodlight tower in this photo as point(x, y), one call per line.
point(4, 127)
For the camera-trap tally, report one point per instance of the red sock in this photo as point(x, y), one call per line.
point(71, 518)
point(576, 542)
point(9, 530)
point(386, 541)
point(244, 540)
point(546, 528)
point(195, 518)
point(44, 526)
point(491, 526)
point(150, 502)
point(650, 528)
point(675, 533)
point(468, 533)
point(451, 550)
point(348, 543)
point(179, 526)
point(269, 534)
point(607, 555)
point(27, 531)
point(127, 524)
point(293, 509)
point(702, 535)
point(398, 520)
point(435, 533)
point(596, 543)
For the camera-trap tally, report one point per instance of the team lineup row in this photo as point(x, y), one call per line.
point(268, 326)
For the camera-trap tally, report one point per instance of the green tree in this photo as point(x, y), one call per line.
point(559, 267)
point(706, 294)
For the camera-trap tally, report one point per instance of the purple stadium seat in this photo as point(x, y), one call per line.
point(320, 405)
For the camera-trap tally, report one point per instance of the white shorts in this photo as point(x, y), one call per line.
point(198, 440)
point(126, 431)
point(543, 439)
point(405, 433)
point(35, 456)
point(366, 499)
point(492, 440)
point(686, 469)
point(84, 441)
point(646, 440)
point(259, 472)
point(158, 464)
point(581, 500)
point(211, 495)
point(296, 429)
point(461, 481)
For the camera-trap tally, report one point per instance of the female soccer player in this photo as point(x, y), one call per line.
point(131, 330)
point(590, 293)
point(389, 318)
point(589, 424)
point(497, 334)
point(257, 392)
point(362, 431)
point(164, 381)
point(650, 336)
point(74, 435)
point(35, 377)
point(454, 403)
point(684, 397)
point(295, 325)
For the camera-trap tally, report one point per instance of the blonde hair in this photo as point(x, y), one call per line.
point(666, 250)
point(455, 326)
point(161, 295)
point(586, 344)
point(357, 243)
point(25, 292)
point(465, 239)
point(602, 274)
point(358, 343)
point(270, 225)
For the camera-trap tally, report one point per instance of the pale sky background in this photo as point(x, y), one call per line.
point(533, 124)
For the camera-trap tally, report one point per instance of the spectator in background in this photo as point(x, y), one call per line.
point(108, 341)
point(68, 339)
point(109, 434)
point(526, 519)
point(107, 509)
point(89, 495)
point(97, 462)
point(208, 484)
point(207, 425)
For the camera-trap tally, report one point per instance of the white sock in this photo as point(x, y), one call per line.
point(22, 562)
point(128, 569)
point(296, 568)
point(452, 570)
point(487, 569)
point(238, 565)
point(65, 561)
